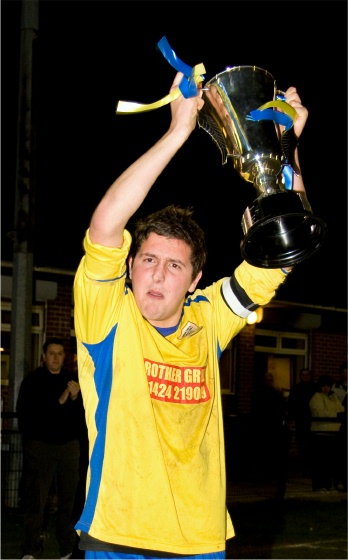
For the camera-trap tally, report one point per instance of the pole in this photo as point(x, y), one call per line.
point(22, 280)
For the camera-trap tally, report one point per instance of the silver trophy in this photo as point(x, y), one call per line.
point(279, 226)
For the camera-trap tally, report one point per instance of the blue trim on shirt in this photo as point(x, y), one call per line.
point(101, 355)
point(112, 279)
point(219, 351)
point(197, 299)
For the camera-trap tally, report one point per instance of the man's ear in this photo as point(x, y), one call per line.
point(195, 282)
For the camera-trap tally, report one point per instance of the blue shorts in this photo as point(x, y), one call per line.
point(104, 554)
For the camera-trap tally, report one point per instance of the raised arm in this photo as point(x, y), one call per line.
point(293, 99)
point(127, 193)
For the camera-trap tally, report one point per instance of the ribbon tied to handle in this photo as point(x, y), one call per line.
point(187, 86)
point(285, 118)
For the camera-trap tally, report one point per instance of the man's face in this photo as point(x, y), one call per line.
point(54, 357)
point(161, 274)
point(326, 389)
point(305, 376)
point(268, 379)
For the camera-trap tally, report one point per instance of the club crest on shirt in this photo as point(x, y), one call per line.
point(189, 330)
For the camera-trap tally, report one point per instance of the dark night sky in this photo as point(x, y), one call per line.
point(93, 53)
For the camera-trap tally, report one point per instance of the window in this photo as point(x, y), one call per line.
point(282, 354)
point(37, 333)
point(281, 342)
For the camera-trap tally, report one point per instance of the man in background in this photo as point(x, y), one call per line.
point(299, 411)
point(50, 415)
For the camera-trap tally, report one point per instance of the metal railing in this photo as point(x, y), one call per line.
point(243, 476)
point(11, 461)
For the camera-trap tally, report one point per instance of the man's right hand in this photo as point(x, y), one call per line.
point(184, 111)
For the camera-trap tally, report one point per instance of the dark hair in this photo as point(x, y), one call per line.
point(324, 380)
point(173, 222)
point(52, 340)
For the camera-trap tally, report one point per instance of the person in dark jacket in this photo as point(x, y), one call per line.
point(299, 411)
point(326, 410)
point(50, 417)
point(268, 410)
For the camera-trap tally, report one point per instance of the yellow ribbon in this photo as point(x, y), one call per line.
point(127, 107)
point(285, 107)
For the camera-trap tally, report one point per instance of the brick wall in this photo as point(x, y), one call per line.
point(59, 321)
point(328, 351)
point(245, 368)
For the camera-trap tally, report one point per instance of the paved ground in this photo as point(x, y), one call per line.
point(305, 527)
point(302, 526)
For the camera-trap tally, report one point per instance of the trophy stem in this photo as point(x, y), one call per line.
point(265, 178)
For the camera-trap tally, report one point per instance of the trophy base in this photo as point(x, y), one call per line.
point(280, 230)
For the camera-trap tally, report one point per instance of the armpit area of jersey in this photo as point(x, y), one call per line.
point(236, 298)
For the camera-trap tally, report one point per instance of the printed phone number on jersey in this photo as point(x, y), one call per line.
point(175, 384)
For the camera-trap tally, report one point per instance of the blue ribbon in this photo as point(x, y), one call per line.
point(271, 115)
point(284, 120)
point(187, 86)
point(288, 175)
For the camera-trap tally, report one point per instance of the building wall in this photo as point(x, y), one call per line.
point(59, 320)
point(245, 369)
point(327, 349)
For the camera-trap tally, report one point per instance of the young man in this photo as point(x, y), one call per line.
point(149, 366)
point(299, 411)
point(50, 417)
point(340, 386)
point(326, 409)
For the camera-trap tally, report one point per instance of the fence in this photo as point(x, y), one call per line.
point(11, 461)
